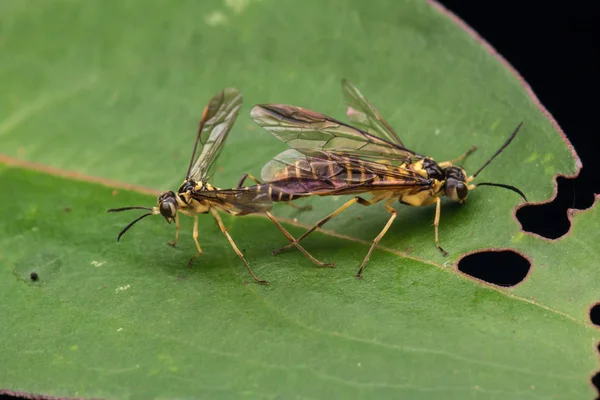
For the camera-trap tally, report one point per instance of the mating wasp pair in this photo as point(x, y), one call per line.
point(327, 157)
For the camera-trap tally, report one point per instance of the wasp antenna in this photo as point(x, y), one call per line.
point(509, 187)
point(512, 136)
point(132, 223)
point(129, 208)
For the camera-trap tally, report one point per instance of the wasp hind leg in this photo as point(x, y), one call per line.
point(243, 180)
point(195, 236)
point(295, 243)
point(217, 218)
point(394, 213)
point(322, 222)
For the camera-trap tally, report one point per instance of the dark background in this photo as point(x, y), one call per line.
point(555, 46)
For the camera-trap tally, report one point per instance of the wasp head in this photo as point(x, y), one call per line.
point(456, 187)
point(168, 205)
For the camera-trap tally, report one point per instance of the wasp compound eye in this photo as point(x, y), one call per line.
point(461, 190)
point(168, 209)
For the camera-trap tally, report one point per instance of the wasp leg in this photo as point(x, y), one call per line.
point(195, 236)
point(436, 224)
point(293, 242)
point(300, 208)
point(243, 179)
point(322, 222)
point(217, 218)
point(394, 213)
point(174, 243)
point(449, 163)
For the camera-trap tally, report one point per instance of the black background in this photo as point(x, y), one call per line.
point(554, 46)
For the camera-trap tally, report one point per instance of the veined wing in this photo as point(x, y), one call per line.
point(329, 172)
point(243, 200)
point(361, 112)
point(306, 131)
point(217, 119)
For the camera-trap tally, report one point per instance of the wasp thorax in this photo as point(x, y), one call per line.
point(456, 184)
point(187, 186)
point(167, 205)
point(433, 169)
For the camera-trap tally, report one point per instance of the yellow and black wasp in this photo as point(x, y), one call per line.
point(329, 157)
point(197, 196)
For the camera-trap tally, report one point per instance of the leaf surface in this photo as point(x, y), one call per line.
point(115, 90)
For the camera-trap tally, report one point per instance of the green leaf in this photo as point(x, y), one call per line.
point(115, 90)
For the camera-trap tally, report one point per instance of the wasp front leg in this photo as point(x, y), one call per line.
point(457, 159)
point(378, 238)
point(195, 236)
point(174, 243)
point(436, 224)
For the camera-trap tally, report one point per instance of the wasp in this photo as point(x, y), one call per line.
point(197, 196)
point(329, 157)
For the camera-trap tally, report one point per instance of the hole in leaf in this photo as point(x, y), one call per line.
point(596, 382)
point(595, 314)
point(502, 267)
point(550, 220)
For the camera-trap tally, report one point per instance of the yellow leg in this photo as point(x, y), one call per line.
point(217, 218)
point(293, 242)
point(322, 222)
point(451, 162)
point(436, 224)
point(174, 243)
point(394, 213)
point(195, 236)
point(247, 176)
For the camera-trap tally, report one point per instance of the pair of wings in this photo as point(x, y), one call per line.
point(316, 137)
point(218, 118)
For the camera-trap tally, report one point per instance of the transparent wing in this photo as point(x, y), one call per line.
point(362, 113)
point(217, 119)
point(245, 200)
point(307, 131)
point(319, 172)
